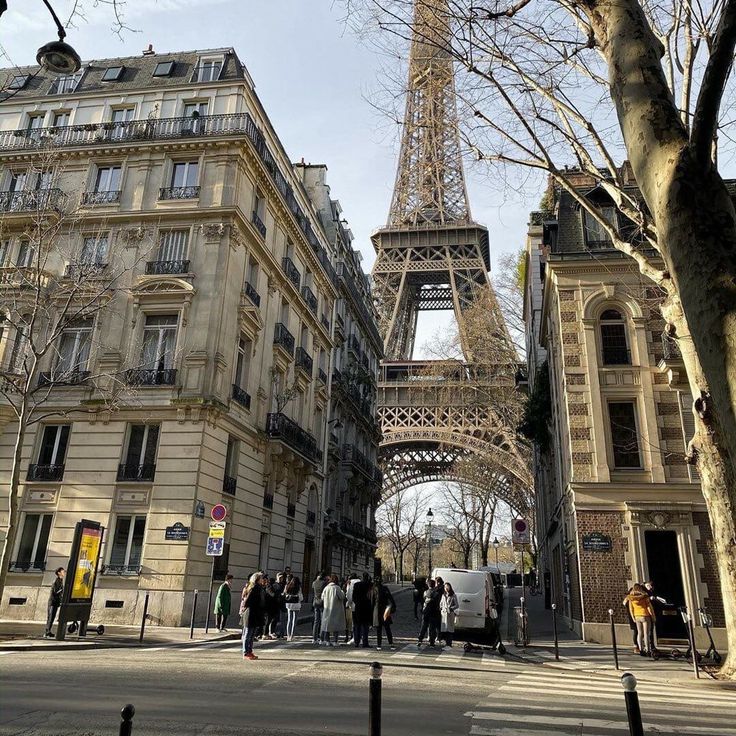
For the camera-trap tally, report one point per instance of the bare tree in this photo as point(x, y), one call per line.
point(399, 522)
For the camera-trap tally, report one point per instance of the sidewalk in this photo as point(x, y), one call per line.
point(576, 654)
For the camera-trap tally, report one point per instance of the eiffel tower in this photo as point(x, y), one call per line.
point(431, 255)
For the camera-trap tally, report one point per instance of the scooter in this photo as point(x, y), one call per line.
point(707, 621)
point(74, 625)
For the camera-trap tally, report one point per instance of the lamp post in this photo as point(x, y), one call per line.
point(496, 545)
point(430, 516)
point(58, 56)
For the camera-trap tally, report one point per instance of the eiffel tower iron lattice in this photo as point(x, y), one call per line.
point(432, 256)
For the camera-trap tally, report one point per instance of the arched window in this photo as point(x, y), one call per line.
point(614, 348)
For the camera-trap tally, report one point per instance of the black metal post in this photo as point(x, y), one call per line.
point(691, 637)
point(194, 610)
point(209, 598)
point(145, 618)
point(633, 711)
point(126, 720)
point(374, 700)
point(613, 637)
point(524, 640)
point(554, 627)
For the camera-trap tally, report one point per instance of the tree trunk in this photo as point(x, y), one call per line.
point(696, 232)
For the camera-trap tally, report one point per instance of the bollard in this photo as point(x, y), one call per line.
point(524, 635)
point(613, 637)
point(194, 610)
point(374, 700)
point(145, 617)
point(126, 720)
point(554, 626)
point(633, 711)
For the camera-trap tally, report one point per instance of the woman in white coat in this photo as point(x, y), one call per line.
point(333, 615)
point(293, 600)
point(448, 608)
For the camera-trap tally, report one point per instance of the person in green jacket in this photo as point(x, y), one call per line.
point(222, 602)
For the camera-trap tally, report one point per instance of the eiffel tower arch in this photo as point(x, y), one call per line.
point(431, 255)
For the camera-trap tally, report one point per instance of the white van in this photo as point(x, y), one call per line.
point(477, 615)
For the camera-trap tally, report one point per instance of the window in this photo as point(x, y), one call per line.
point(159, 341)
point(112, 74)
point(163, 69)
point(142, 445)
point(242, 365)
point(624, 434)
point(173, 246)
point(34, 540)
point(595, 235)
point(94, 250)
point(17, 181)
point(107, 179)
point(127, 544)
point(20, 345)
point(185, 174)
point(64, 84)
point(614, 349)
point(231, 465)
point(35, 123)
point(285, 313)
point(253, 272)
point(192, 112)
point(74, 347)
point(208, 70)
point(259, 206)
point(44, 180)
point(122, 114)
point(54, 442)
point(18, 81)
point(26, 253)
point(61, 119)
point(4, 250)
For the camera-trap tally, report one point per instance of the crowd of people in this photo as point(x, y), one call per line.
point(439, 606)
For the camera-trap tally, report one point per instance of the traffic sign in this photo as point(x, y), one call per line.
point(219, 512)
point(520, 533)
point(216, 539)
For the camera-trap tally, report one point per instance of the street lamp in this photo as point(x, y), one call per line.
point(496, 545)
point(430, 516)
point(58, 56)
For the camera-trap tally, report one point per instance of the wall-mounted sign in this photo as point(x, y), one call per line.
point(199, 510)
point(219, 512)
point(177, 532)
point(597, 542)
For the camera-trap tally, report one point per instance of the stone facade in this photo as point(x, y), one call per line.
point(209, 375)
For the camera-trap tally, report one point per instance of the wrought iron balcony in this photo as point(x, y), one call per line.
point(229, 485)
point(304, 361)
point(283, 338)
point(241, 396)
point(280, 427)
point(353, 528)
point(64, 378)
point(354, 344)
point(45, 472)
point(352, 456)
point(37, 199)
point(325, 322)
point(260, 226)
point(158, 268)
point(178, 193)
point(250, 291)
point(268, 500)
point(151, 376)
point(309, 298)
point(80, 271)
point(91, 198)
point(614, 355)
point(322, 376)
point(133, 472)
point(291, 271)
point(291, 510)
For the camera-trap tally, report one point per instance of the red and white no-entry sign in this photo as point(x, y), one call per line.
point(520, 533)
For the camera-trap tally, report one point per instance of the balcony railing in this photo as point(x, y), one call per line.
point(353, 528)
point(241, 396)
point(178, 193)
point(250, 291)
point(268, 500)
point(90, 198)
point(351, 455)
point(310, 298)
point(614, 355)
point(64, 378)
point(304, 361)
point(157, 268)
point(260, 226)
point(280, 427)
point(291, 271)
point(151, 376)
point(670, 348)
point(135, 473)
point(354, 344)
point(39, 199)
point(229, 485)
point(283, 338)
point(325, 322)
point(45, 472)
point(291, 510)
point(80, 271)
point(322, 376)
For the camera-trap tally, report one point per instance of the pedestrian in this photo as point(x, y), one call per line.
point(430, 614)
point(317, 587)
point(333, 613)
point(384, 607)
point(252, 611)
point(55, 596)
point(657, 604)
point(293, 600)
point(643, 612)
point(448, 608)
point(275, 604)
point(349, 608)
point(223, 601)
point(362, 611)
point(420, 586)
point(632, 622)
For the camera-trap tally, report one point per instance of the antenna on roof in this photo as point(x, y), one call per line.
point(149, 51)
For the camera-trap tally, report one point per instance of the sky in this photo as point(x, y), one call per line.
point(317, 80)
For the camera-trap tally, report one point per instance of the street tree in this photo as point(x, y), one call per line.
point(400, 522)
point(548, 83)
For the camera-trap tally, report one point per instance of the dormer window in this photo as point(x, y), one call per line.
point(113, 73)
point(18, 81)
point(163, 69)
point(65, 84)
point(596, 235)
point(208, 70)
point(614, 348)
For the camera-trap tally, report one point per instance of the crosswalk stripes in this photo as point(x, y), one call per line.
point(557, 703)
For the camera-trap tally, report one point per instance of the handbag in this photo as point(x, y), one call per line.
point(387, 613)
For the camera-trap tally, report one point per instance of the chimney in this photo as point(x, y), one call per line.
point(149, 51)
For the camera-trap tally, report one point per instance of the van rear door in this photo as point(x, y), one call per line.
point(470, 588)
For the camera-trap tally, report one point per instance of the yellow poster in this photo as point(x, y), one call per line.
point(84, 574)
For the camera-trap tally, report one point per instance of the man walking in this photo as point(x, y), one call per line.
point(55, 596)
point(431, 616)
point(318, 587)
point(420, 586)
point(223, 603)
point(362, 610)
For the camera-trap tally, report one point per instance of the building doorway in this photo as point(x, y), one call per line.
point(307, 566)
point(665, 571)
